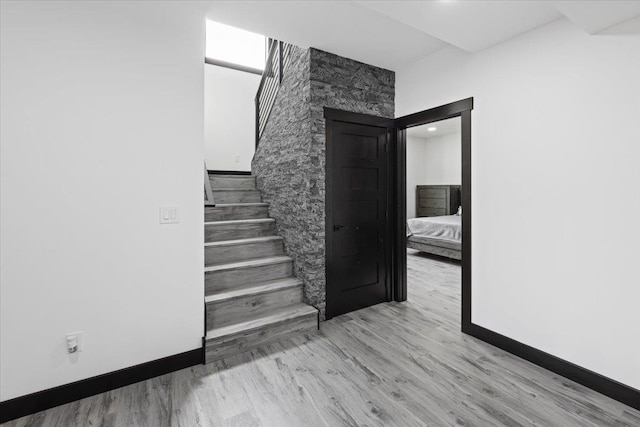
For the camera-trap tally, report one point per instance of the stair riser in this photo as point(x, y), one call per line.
point(240, 196)
point(237, 183)
point(215, 281)
point(235, 212)
point(227, 254)
point(220, 232)
point(238, 310)
point(237, 343)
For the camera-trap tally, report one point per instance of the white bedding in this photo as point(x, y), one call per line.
point(444, 227)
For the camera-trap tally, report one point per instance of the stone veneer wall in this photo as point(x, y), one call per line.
point(290, 161)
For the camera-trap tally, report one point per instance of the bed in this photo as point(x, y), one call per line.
point(439, 235)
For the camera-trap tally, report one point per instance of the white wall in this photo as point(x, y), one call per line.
point(229, 118)
point(102, 123)
point(432, 161)
point(554, 208)
point(416, 170)
point(443, 164)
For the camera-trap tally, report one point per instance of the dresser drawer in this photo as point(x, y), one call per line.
point(433, 193)
point(427, 202)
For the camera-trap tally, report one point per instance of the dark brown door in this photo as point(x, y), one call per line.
point(357, 226)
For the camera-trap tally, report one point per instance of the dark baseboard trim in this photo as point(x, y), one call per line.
point(611, 388)
point(229, 172)
point(36, 402)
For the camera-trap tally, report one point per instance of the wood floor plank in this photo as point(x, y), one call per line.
point(394, 364)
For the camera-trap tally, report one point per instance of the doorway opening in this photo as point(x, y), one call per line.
point(443, 236)
point(434, 219)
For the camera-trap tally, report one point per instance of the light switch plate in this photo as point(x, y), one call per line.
point(169, 215)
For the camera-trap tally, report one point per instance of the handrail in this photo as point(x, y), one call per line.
point(277, 63)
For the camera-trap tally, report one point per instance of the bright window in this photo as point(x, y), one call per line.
point(236, 46)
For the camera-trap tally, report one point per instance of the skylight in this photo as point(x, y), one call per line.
point(235, 46)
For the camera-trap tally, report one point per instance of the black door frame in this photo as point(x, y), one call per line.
point(333, 115)
point(460, 109)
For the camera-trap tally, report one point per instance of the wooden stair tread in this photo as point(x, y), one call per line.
point(249, 263)
point(236, 189)
point(257, 289)
point(243, 241)
point(274, 318)
point(231, 205)
point(235, 211)
point(241, 221)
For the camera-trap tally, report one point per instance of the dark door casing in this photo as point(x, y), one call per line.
point(357, 208)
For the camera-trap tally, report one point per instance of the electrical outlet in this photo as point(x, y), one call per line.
point(74, 342)
point(237, 159)
point(169, 215)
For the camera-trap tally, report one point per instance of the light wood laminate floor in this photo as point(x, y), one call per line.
point(396, 364)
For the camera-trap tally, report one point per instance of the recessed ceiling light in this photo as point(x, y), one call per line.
point(432, 129)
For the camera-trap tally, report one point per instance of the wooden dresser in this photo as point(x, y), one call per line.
point(437, 200)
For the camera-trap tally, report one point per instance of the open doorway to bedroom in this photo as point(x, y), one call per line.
point(434, 178)
point(434, 219)
point(432, 250)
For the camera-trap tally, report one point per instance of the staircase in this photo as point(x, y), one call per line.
point(251, 296)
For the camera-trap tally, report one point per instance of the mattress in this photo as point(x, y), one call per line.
point(438, 227)
point(435, 241)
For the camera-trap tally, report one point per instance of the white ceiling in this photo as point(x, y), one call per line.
point(443, 127)
point(392, 34)
point(594, 16)
point(469, 25)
